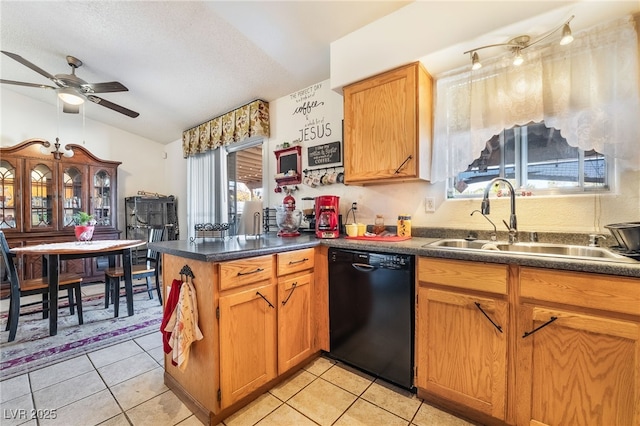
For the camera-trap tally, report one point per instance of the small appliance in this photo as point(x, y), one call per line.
point(327, 216)
point(288, 218)
point(309, 215)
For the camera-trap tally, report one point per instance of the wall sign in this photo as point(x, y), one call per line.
point(325, 155)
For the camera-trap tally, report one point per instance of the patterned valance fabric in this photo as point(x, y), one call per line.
point(247, 121)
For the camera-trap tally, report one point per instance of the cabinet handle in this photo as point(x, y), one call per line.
point(293, 287)
point(488, 317)
point(403, 163)
point(250, 272)
point(529, 333)
point(265, 299)
point(293, 262)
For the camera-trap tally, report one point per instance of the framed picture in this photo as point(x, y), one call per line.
point(325, 155)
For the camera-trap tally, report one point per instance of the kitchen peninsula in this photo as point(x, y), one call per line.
point(263, 311)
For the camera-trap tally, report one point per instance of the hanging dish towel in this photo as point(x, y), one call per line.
point(169, 309)
point(183, 325)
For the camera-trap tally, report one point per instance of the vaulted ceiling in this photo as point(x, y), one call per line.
point(185, 62)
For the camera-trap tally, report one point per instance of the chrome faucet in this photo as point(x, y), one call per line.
point(494, 234)
point(513, 222)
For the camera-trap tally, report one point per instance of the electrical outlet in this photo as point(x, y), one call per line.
point(354, 206)
point(429, 205)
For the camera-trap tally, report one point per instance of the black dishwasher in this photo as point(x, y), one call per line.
point(371, 313)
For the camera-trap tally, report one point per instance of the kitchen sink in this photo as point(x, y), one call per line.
point(545, 249)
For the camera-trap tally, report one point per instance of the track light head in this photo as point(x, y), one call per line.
point(567, 37)
point(475, 61)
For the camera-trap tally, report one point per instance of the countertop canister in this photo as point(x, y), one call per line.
point(404, 225)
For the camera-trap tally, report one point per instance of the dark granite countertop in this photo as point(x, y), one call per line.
point(239, 247)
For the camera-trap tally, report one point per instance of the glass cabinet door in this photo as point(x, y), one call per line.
point(101, 198)
point(72, 194)
point(40, 215)
point(9, 204)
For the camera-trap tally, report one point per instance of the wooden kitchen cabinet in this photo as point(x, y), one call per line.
point(248, 327)
point(295, 309)
point(388, 127)
point(582, 365)
point(247, 341)
point(40, 195)
point(462, 334)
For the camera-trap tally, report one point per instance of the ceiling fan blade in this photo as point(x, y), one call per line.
point(111, 105)
point(70, 109)
point(111, 86)
point(22, 83)
point(28, 64)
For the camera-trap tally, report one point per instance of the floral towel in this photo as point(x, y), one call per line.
point(183, 325)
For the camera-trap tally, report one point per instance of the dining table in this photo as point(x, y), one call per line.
point(53, 253)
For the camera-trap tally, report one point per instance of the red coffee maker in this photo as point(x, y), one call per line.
point(327, 212)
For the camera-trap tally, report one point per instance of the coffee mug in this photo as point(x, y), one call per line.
point(333, 177)
point(352, 229)
point(340, 177)
point(315, 181)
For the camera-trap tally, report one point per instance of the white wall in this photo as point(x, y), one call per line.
point(143, 165)
point(583, 213)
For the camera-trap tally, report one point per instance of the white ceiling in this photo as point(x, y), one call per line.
point(185, 62)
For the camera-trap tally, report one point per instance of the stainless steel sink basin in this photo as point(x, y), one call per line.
point(544, 249)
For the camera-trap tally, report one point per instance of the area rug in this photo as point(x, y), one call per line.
point(33, 348)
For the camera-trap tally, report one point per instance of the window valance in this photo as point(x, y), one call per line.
point(588, 90)
point(245, 122)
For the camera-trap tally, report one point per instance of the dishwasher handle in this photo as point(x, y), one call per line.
point(363, 267)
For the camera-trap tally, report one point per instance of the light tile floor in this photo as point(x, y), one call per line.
point(123, 385)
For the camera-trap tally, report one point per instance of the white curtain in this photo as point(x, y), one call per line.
point(587, 89)
point(206, 182)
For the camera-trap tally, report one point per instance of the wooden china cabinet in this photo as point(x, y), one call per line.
point(40, 191)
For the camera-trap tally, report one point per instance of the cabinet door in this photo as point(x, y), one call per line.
point(579, 369)
point(10, 196)
point(461, 354)
point(294, 320)
point(247, 341)
point(382, 126)
point(74, 195)
point(103, 196)
point(41, 197)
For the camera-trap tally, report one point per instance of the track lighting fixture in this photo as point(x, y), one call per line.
point(518, 44)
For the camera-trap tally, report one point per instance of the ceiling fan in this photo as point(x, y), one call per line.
point(73, 90)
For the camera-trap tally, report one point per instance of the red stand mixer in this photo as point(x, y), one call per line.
point(327, 216)
point(288, 218)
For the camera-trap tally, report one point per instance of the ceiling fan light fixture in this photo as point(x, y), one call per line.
point(70, 96)
point(567, 37)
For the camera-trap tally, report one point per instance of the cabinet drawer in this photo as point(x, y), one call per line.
point(465, 275)
point(245, 271)
point(294, 261)
point(606, 292)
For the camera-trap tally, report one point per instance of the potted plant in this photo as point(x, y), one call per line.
point(85, 224)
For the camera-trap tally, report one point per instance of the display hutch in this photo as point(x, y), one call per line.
point(41, 190)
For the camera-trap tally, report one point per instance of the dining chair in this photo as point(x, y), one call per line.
point(145, 267)
point(22, 288)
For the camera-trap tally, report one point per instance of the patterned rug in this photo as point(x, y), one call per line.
point(33, 348)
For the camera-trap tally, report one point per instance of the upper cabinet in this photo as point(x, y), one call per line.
point(388, 127)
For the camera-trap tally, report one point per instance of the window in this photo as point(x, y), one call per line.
point(244, 176)
point(537, 160)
